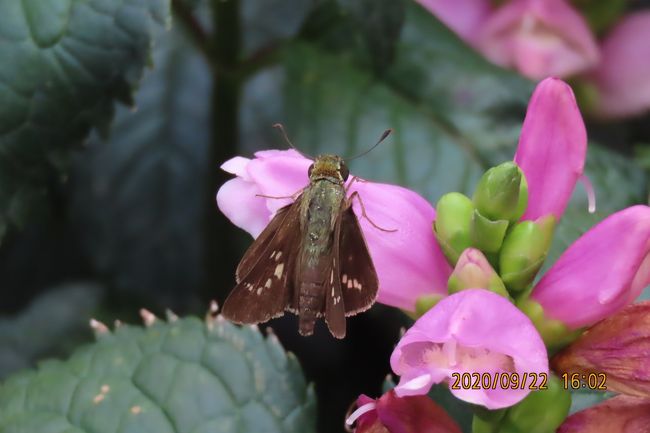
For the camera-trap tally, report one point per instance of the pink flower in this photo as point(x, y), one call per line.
point(601, 272)
point(473, 331)
point(621, 414)
point(409, 262)
point(622, 76)
point(552, 148)
point(462, 16)
point(539, 38)
point(392, 414)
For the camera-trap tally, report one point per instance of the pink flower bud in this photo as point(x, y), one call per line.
point(472, 271)
point(552, 148)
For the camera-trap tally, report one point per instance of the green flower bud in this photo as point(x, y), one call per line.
point(541, 411)
point(487, 421)
point(487, 235)
point(452, 226)
point(473, 271)
point(425, 303)
point(555, 334)
point(497, 193)
point(523, 252)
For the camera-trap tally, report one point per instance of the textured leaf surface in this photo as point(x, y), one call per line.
point(63, 64)
point(170, 377)
point(138, 193)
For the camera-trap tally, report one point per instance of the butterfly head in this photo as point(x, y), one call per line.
point(329, 167)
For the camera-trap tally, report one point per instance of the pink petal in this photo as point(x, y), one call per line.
point(237, 200)
point(464, 17)
point(237, 166)
point(403, 415)
point(540, 38)
point(409, 261)
point(601, 272)
point(622, 77)
point(621, 414)
point(552, 148)
point(471, 331)
point(279, 173)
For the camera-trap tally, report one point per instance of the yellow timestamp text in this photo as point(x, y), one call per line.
point(502, 380)
point(593, 381)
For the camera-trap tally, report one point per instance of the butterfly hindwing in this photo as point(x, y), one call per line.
point(334, 303)
point(359, 282)
point(265, 274)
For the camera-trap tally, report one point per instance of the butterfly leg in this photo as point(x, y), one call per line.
point(356, 195)
point(292, 196)
point(354, 179)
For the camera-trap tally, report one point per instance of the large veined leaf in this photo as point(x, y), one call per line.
point(444, 102)
point(62, 64)
point(183, 376)
point(138, 193)
point(454, 115)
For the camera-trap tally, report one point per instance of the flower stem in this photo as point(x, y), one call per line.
point(220, 254)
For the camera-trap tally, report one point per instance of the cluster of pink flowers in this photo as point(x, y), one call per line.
point(477, 330)
point(542, 38)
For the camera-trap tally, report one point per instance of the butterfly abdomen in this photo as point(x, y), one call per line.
point(321, 207)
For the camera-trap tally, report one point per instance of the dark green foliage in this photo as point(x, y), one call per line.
point(63, 64)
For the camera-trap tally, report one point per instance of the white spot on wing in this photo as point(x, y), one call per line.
point(278, 255)
point(259, 291)
point(268, 283)
point(278, 270)
point(344, 278)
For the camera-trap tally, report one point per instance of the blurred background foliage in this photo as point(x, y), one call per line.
point(106, 208)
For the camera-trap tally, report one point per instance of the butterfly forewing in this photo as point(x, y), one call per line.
point(264, 275)
point(359, 283)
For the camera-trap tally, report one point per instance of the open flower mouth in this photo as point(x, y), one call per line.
point(438, 361)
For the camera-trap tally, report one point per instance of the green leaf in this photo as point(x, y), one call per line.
point(182, 376)
point(460, 411)
point(381, 23)
point(138, 193)
point(450, 108)
point(582, 399)
point(51, 325)
point(64, 63)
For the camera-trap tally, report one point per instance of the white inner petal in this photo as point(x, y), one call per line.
point(451, 356)
point(360, 411)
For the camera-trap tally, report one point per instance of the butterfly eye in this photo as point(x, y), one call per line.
point(311, 167)
point(344, 171)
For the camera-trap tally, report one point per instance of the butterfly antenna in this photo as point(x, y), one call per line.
point(286, 138)
point(382, 138)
